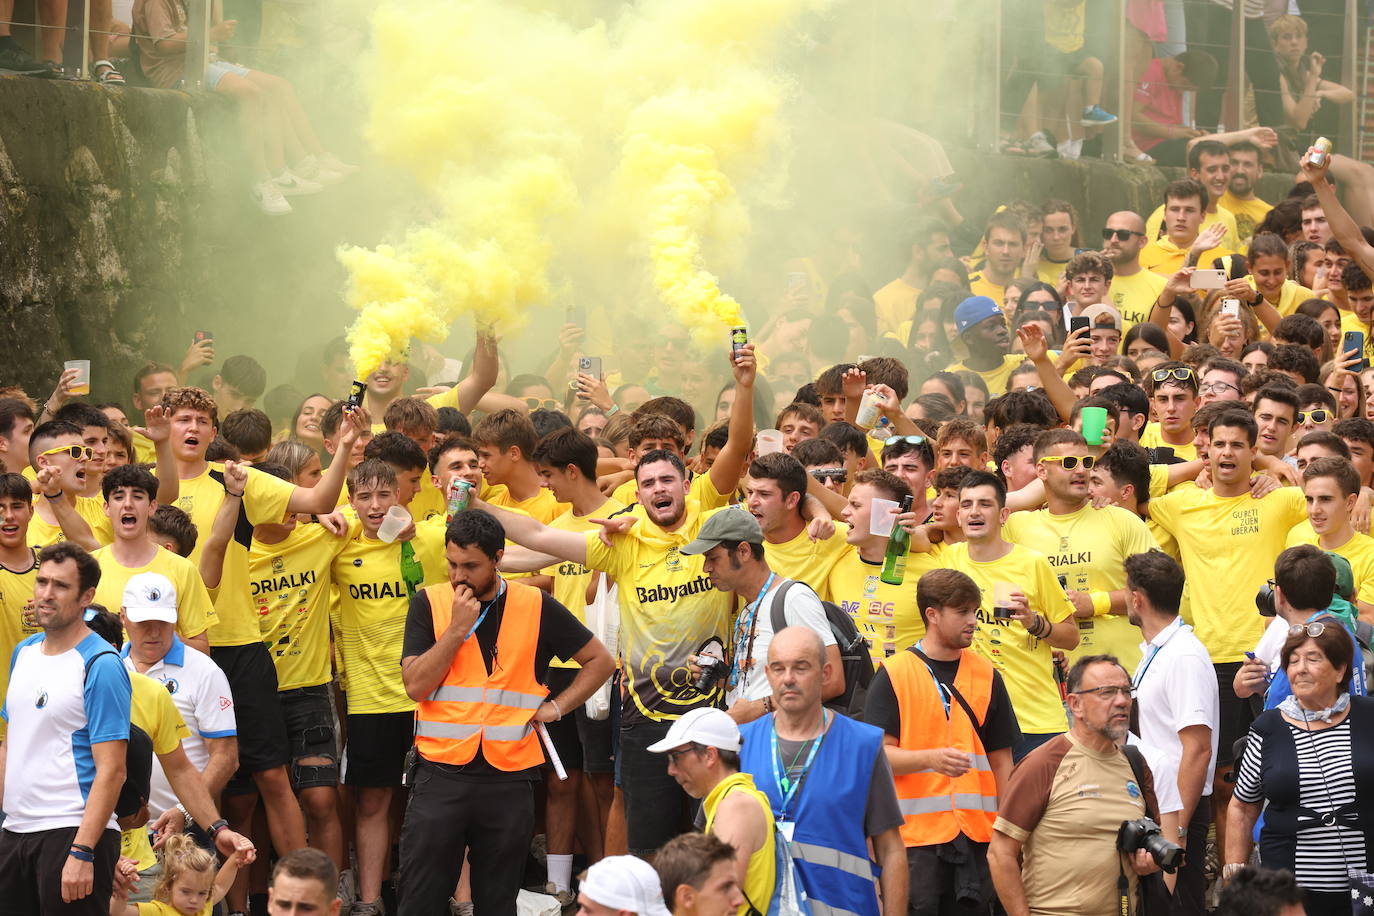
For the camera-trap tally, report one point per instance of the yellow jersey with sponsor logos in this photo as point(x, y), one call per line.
point(1087, 548)
point(1228, 545)
point(371, 623)
point(16, 624)
point(570, 579)
point(1135, 295)
point(1026, 663)
point(668, 611)
point(264, 500)
point(291, 583)
point(885, 615)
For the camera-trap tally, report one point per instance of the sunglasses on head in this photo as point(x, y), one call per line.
point(1121, 235)
point(1181, 373)
point(1072, 461)
point(1318, 415)
point(1312, 629)
point(76, 451)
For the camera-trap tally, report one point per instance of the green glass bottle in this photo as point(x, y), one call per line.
point(898, 543)
point(412, 571)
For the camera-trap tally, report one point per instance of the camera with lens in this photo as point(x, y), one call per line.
point(1264, 600)
point(1143, 833)
point(712, 670)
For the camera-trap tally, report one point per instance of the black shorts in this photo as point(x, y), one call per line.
point(564, 731)
point(597, 736)
point(1236, 712)
point(262, 740)
point(377, 746)
point(31, 872)
point(309, 713)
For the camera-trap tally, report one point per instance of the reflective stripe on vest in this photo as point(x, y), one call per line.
point(472, 708)
point(833, 858)
point(937, 808)
point(821, 909)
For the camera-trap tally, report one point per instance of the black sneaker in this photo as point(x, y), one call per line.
point(14, 59)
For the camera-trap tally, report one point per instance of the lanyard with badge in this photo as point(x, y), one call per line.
point(740, 672)
point(1154, 653)
point(787, 787)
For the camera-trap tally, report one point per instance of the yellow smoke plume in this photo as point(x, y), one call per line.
point(533, 137)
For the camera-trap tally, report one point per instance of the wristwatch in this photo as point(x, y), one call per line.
point(216, 827)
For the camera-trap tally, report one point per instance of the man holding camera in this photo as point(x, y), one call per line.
point(1073, 832)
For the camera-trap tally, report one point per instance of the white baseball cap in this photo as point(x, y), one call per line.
point(625, 883)
point(711, 727)
point(150, 596)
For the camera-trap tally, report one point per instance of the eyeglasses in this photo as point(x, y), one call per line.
point(1320, 415)
point(1110, 692)
point(79, 452)
point(1312, 629)
point(536, 403)
point(1072, 461)
point(1121, 235)
point(1218, 388)
point(1182, 373)
point(674, 755)
point(839, 475)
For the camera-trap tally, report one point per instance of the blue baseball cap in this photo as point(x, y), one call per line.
point(973, 310)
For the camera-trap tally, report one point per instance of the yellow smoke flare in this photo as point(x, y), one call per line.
point(536, 139)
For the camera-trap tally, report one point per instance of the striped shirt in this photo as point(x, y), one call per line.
point(1327, 782)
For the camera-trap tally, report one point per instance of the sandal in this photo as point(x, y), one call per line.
point(106, 74)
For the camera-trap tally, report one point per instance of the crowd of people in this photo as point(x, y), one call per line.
point(1052, 596)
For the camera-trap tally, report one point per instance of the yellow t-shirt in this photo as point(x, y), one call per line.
point(1229, 545)
point(1249, 214)
point(570, 579)
point(668, 611)
point(1088, 548)
point(1064, 27)
point(1165, 258)
point(702, 494)
point(145, 452)
point(1151, 437)
point(265, 499)
point(1026, 663)
point(151, 709)
point(980, 285)
point(90, 508)
point(1133, 296)
point(1359, 550)
point(291, 584)
point(372, 615)
point(158, 908)
point(428, 501)
point(1047, 271)
point(16, 593)
point(1231, 240)
point(808, 561)
point(895, 303)
point(542, 505)
point(195, 611)
point(886, 615)
point(1291, 295)
point(997, 377)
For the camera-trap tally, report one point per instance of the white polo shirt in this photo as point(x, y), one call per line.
point(800, 608)
point(1176, 686)
point(201, 694)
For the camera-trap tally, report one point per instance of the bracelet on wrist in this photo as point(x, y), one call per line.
point(83, 847)
point(81, 855)
point(54, 496)
point(229, 492)
point(214, 829)
point(556, 708)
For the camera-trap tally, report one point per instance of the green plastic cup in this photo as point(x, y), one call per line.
point(1094, 423)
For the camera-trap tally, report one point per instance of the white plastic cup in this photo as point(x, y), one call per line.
point(882, 516)
point(768, 441)
point(82, 384)
point(397, 518)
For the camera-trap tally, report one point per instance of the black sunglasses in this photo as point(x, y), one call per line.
point(1121, 235)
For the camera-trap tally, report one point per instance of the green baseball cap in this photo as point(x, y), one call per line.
point(732, 524)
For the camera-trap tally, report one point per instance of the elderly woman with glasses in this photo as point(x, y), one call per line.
point(1309, 765)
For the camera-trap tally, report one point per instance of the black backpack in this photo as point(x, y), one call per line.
point(138, 761)
point(854, 652)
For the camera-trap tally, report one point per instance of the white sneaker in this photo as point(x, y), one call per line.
point(291, 183)
point(269, 198)
point(310, 169)
point(331, 162)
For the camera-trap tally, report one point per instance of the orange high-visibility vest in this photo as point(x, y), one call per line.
point(937, 808)
point(471, 707)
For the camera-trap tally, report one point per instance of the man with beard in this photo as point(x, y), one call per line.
point(1240, 197)
point(1053, 844)
point(1005, 245)
point(1134, 289)
point(476, 720)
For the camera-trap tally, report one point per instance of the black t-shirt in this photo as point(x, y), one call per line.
point(561, 635)
point(999, 729)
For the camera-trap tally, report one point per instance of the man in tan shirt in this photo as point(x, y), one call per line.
point(1067, 800)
